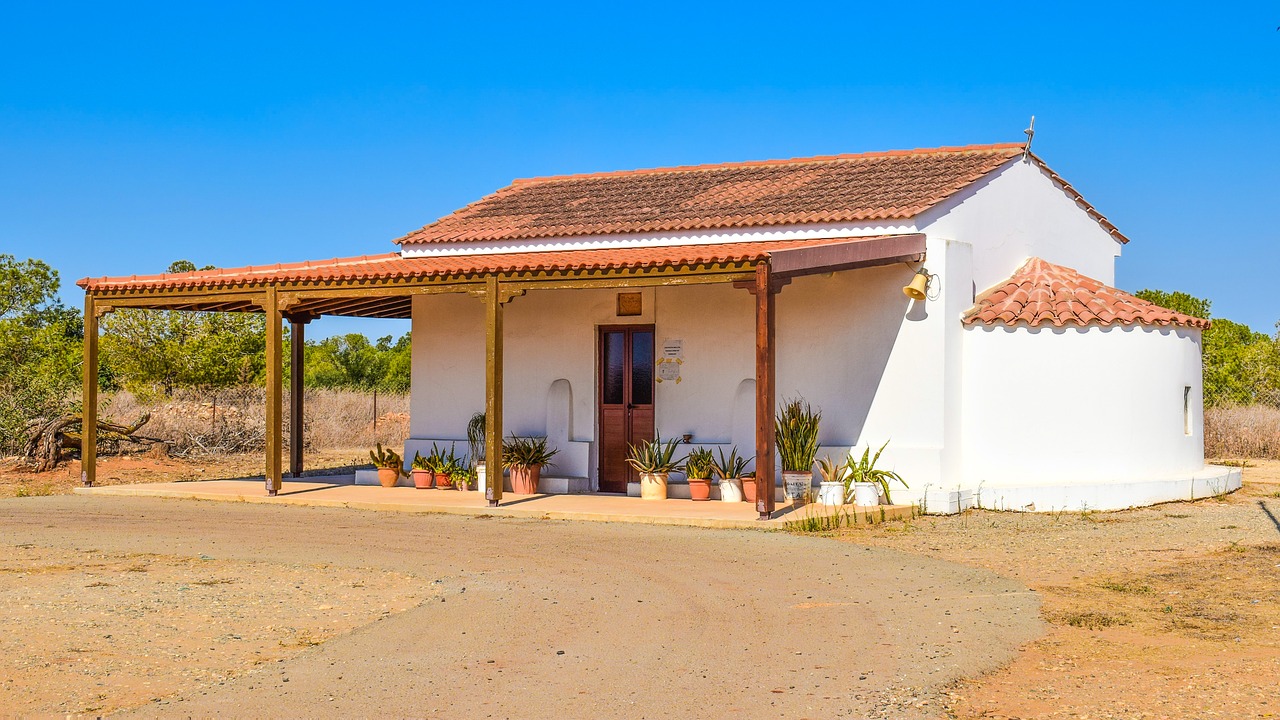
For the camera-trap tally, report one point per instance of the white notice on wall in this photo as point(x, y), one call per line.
point(673, 348)
point(668, 370)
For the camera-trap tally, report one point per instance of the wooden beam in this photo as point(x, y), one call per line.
point(830, 257)
point(766, 377)
point(605, 282)
point(274, 393)
point(493, 392)
point(89, 413)
point(296, 346)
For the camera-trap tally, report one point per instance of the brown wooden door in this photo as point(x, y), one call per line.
point(625, 359)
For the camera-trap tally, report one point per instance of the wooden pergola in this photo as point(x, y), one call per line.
point(383, 286)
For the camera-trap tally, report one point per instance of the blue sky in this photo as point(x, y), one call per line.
point(134, 134)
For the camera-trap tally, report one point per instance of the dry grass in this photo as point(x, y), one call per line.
point(1251, 431)
point(234, 421)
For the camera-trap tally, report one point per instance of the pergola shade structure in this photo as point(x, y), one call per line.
point(382, 286)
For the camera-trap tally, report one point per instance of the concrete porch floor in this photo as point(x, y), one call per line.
point(598, 508)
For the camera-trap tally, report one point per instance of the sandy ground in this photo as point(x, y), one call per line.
point(1166, 612)
point(475, 617)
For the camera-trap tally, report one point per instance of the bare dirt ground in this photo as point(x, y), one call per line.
point(179, 608)
point(1165, 612)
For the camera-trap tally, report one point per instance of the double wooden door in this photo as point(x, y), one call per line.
point(625, 402)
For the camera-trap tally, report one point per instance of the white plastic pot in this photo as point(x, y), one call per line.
point(796, 486)
point(831, 493)
point(865, 493)
point(731, 490)
point(480, 475)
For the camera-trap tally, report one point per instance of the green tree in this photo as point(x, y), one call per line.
point(41, 344)
point(148, 350)
point(1241, 366)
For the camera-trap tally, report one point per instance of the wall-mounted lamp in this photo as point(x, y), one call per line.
point(918, 288)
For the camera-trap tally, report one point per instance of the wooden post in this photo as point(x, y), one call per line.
point(766, 376)
point(493, 393)
point(274, 392)
point(296, 341)
point(89, 415)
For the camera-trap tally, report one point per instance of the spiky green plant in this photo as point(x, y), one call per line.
point(731, 467)
point(526, 452)
point(653, 457)
point(697, 464)
point(832, 471)
point(796, 431)
point(865, 470)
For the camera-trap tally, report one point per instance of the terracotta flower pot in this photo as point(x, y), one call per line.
point(653, 486)
point(700, 489)
point(421, 478)
point(443, 481)
point(387, 477)
point(749, 489)
point(524, 480)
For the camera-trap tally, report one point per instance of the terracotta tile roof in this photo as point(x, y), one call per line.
point(391, 266)
point(1043, 293)
point(826, 189)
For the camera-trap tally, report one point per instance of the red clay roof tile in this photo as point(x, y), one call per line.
point(827, 189)
point(391, 266)
point(1044, 293)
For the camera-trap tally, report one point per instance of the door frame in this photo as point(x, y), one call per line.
point(598, 408)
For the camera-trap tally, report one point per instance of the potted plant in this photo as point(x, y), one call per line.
point(748, 481)
point(697, 467)
point(832, 491)
point(865, 482)
point(476, 445)
point(445, 466)
point(796, 432)
point(654, 460)
point(730, 471)
point(390, 465)
point(422, 473)
point(525, 457)
point(462, 476)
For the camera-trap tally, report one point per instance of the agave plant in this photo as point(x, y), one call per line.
point(654, 457)
point(697, 465)
point(865, 470)
point(796, 431)
point(832, 471)
point(731, 467)
point(526, 452)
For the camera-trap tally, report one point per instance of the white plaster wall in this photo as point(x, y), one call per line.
point(850, 342)
point(1016, 213)
point(1070, 406)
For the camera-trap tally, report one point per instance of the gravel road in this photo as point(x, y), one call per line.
point(531, 619)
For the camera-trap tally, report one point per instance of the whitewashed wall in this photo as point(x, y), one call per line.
point(849, 342)
point(1048, 406)
point(1017, 213)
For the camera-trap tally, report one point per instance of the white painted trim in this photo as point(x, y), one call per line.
point(708, 237)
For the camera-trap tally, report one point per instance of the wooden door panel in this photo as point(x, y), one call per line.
point(625, 361)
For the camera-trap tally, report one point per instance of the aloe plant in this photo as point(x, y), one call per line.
point(526, 452)
point(697, 465)
point(654, 457)
point(796, 432)
point(731, 467)
point(832, 471)
point(865, 470)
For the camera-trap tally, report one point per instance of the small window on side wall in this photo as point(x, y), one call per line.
point(1186, 410)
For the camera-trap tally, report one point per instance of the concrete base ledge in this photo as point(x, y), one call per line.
point(1211, 481)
